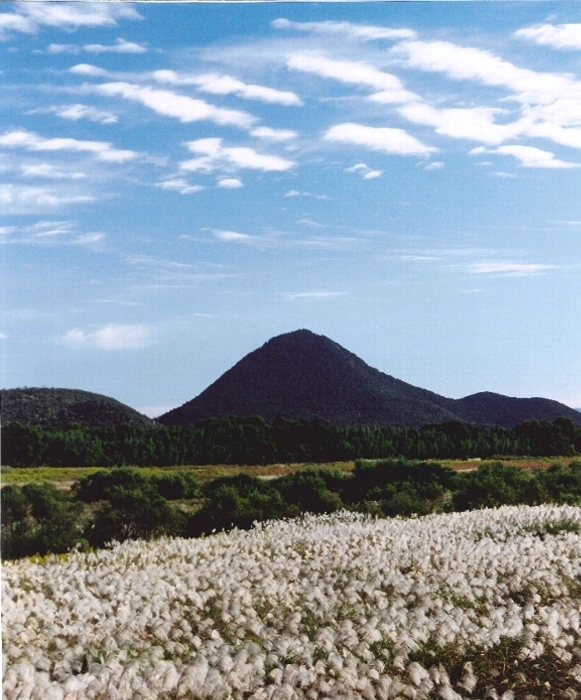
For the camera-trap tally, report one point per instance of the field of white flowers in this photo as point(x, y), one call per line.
point(483, 604)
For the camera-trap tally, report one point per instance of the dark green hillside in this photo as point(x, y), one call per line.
point(489, 408)
point(64, 406)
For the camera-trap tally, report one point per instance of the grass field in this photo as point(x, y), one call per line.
point(63, 477)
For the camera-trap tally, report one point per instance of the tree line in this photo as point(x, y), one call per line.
point(124, 503)
point(232, 440)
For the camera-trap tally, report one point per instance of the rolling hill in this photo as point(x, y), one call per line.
point(304, 376)
point(32, 406)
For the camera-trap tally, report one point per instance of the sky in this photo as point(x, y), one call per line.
point(181, 182)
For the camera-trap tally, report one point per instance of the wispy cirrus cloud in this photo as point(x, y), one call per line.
point(30, 17)
point(114, 336)
point(212, 155)
point(366, 172)
point(269, 134)
point(364, 32)
point(529, 156)
point(27, 199)
point(30, 141)
point(172, 104)
point(388, 140)
point(473, 123)
point(50, 172)
point(88, 70)
point(217, 84)
point(179, 184)
point(120, 46)
point(356, 73)
point(314, 296)
point(230, 183)
point(231, 236)
point(51, 234)
point(75, 112)
point(506, 268)
point(557, 36)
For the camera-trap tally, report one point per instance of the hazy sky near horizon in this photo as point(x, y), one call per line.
point(181, 182)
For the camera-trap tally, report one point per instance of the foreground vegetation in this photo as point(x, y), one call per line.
point(464, 605)
point(254, 441)
point(123, 503)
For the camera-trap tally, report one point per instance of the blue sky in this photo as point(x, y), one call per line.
point(181, 182)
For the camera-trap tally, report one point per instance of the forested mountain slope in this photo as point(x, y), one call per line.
point(33, 406)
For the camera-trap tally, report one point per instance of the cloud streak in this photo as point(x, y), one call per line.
point(171, 104)
point(563, 37)
point(30, 17)
point(529, 156)
point(30, 141)
point(213, 155)
point(364, 32)
point(388, 140)
point(216, 84)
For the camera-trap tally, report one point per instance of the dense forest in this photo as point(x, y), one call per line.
point(126, 503)
point(233, 440)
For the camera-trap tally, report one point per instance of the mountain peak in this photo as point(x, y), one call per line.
point(304, 376)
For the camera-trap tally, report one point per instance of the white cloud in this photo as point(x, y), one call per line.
point(292, 296)
point(559, 36)
point(388, 140)
point(79, 111)
point(63, 48)
point(230, 183)
point(467, 63)
point(476, 123)
point(305, 221)
point(265, 132)
point(170, 104)
point(231, 236)
point(18, 199)
point(365, 172)
point(227, 85)
point(213, 155)
point(49, 171)
point(366, 32)
point(112, 337)
point(549, 103)
point(436, 165)
point(505, 268)
point(121, 46)
point(179, 184)
point(353, 72)
point(296, 193)
point(53, 233)
point(30, 141)
point(529, 156)
point(88, 70)
point(29, 17)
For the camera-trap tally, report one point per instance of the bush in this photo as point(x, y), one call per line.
point(310, 490)
point(38, 519)
point(177, 485)
point(491, 486)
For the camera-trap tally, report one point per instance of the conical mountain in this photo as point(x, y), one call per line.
point(304, 376)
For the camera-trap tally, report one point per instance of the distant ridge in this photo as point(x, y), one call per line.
point(33, 406)
point(304, 376)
